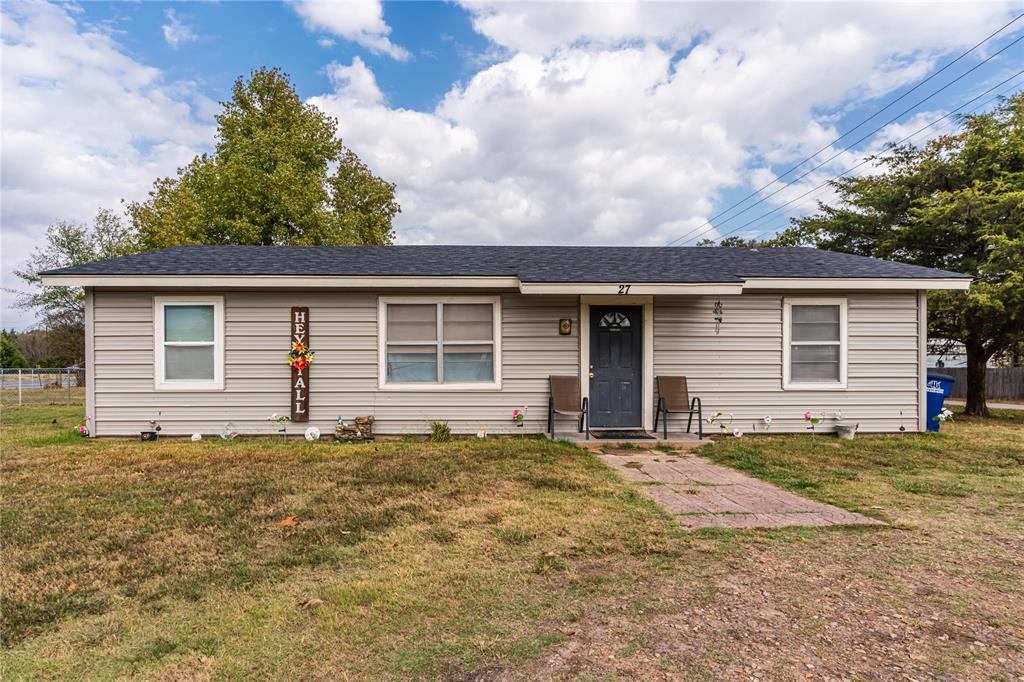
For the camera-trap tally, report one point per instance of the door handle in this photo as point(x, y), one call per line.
point(591, 375)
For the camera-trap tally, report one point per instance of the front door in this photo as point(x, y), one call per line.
point(616, 366)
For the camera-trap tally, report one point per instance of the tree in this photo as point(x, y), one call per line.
point(734, 242)
point(61, 310)
point(10, 356)
point(279, 174)
point(956, 204)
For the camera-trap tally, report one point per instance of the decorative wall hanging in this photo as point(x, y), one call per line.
point(299, 359)
point(718, 316)
point(565, 327)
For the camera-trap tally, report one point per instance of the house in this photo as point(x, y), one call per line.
point(197, 336)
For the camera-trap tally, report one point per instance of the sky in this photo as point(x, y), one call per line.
point(499, 122)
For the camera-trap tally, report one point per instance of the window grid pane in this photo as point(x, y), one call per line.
point(412, 363)
point(468, 322)
point(188, 323)
point(188, 363)
point(412, 322)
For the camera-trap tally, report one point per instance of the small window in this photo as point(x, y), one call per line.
point(814, 352)
point(614, 321)
point(189, 343)
point(447, 343)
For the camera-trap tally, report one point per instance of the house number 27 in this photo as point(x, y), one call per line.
point(624, 288)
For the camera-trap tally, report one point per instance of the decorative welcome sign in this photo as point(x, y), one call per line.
point(299, 358)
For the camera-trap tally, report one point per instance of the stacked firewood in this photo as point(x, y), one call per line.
point(360, 429)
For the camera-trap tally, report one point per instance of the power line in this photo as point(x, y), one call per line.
point(687, 236)
point(701, 229)
point(801, 198)
point(999, 95)
point(869, 159)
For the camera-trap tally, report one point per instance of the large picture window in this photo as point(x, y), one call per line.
point(814, 343)
point(189, 352)
point(447, 343)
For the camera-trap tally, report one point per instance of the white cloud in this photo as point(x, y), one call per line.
point(598, 127)
point(325, 42)
point(360, 21)
point(84, 125)
point(176, 32)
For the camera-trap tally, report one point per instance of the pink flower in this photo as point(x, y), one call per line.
point(515, 413)
point(737, 434)
point(807, 415)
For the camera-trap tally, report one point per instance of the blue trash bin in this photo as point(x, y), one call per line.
point(938, 388)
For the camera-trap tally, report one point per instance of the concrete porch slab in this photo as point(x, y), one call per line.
point(702, 494)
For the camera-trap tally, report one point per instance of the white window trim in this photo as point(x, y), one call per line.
point(787, 315)
point(159, 369)
point(382, 344)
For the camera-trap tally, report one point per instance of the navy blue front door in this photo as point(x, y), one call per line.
point(616, 366)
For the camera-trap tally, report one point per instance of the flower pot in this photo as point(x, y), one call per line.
point(846, 430)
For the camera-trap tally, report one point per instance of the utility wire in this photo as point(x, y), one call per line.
point(699, 230)
point(999, 95)
point(687, 236)
point(869, 159)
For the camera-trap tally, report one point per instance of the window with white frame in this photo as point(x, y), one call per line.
point(189, 351)
point(814, 343)
point(431, 343)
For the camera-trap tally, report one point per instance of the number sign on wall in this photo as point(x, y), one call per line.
point(300, 377)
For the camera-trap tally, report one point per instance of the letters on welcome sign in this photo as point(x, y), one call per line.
point(300, 375)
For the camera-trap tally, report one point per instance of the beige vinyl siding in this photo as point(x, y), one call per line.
point(739, 370)
point(344, 375)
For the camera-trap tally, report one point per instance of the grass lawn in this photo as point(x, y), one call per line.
point(504, 559)
point(171, 558)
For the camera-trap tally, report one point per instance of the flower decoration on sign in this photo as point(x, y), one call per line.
point(83, 429)
point(300, 356)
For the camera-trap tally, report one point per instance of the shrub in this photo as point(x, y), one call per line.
point(440, 432)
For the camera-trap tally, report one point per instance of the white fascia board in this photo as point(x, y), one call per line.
point(847, 283)
point(651, 288)
point(279, 281)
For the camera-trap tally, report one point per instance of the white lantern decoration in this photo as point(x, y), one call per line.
point(312, 434)
point(196, 437)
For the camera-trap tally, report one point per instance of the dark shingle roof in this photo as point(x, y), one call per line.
point(529, 263)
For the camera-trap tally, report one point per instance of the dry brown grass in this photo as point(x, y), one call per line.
point(510, 558)
point(167, 558)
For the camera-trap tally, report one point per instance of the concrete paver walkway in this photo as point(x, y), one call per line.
point(702, 494)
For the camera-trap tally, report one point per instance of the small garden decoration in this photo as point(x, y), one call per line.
point(723, 422)
point(283, 420)
point(519, 415)
point(813, 420)
point(83, 429)
point(228, 431)
point(300, 356)
point(942, 417)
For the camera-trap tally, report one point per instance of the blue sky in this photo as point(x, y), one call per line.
point(498, 122)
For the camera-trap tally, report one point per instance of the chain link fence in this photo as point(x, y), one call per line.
point(42, 386)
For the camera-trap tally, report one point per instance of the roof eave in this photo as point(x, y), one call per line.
point(887, 283)
point(504, 282)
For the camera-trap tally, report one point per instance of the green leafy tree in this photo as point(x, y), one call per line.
point(10, 356)
point(279, 174)
point(61, 310)
point(956, 204)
